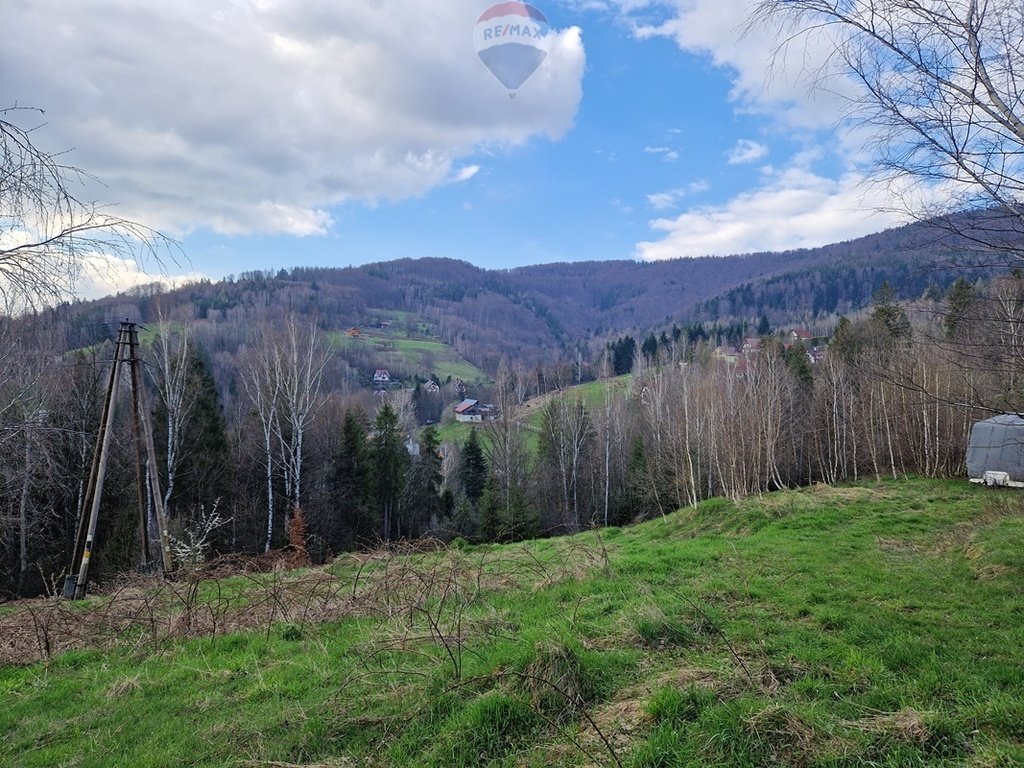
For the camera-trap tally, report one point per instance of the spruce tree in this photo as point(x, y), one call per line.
point(389, 460)
point(960, 300)
point(473, 470)
point(888, 313)
point(349, 520)
point(423, 504)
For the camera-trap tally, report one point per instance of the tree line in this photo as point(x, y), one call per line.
point(896, 392)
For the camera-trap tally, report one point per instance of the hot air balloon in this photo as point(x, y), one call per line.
point(511, 41)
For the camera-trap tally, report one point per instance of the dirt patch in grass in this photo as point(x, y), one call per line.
point(898, 546)
point(993, 571)
point(907, 725)
point(681, 677)
point(621, 722)
point(123, 687)
point(338, 762)
point(849, 494)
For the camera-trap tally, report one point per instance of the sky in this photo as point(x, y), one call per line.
point(267, 134)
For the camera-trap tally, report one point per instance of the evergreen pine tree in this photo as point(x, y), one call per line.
point(888, 313)
point(422, 507)
point(349, 520)
point(464, 520)
point(389, 460)
point(491, 524)
point(204, 469)
point(473, 469)
point(959, 301)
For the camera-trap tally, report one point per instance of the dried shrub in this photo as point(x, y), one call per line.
point(297, 539)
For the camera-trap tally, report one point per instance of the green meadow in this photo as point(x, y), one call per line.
point(874, 624)
point(427, 357)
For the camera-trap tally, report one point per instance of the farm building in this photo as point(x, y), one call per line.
point(473, 411)
point(995, 453)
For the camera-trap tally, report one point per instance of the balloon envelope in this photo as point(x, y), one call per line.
point(511, 40)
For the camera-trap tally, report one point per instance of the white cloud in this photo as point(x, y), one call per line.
point(747, 151)
point(466, 173)
point(791, 207)
point(667, 154)
point(794, 208)
point(260, 115)
point(622, 207)
point(767, 79)
point(663, 201)
point(103, 275)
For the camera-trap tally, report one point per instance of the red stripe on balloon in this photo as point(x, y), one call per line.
point(512, 8)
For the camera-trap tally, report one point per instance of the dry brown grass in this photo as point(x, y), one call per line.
point(423, 580)
point(906, 726)
point(123, 687)
point(782, 736)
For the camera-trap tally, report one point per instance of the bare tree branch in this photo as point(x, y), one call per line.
point(47, 234)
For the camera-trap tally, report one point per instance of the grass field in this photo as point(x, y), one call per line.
point(457, 433)
point(391, 350)
point(593, 394)
point(531, 413)
point(871, 624)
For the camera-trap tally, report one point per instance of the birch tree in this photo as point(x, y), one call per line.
point(299, 365)
point(171, 350)
point(566, 433)
point(283, 380)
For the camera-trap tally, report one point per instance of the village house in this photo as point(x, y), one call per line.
point(798, 334)
point(474, 412)
point(381, 376)
point(432, 387)
point(353, 333)
point(726, 354)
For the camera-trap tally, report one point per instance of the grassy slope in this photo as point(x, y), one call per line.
point(391, 347)
point(864, 625)
point(532, 413)
point(592, 393)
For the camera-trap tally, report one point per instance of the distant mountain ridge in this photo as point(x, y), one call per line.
point(537, 312)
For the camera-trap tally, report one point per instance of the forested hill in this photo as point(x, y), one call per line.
point(534, 313)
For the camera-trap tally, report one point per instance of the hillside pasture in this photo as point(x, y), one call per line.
point(868, 624)
point(393, 351)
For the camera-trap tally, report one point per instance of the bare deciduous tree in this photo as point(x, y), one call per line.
point(504, 447)
point(283, 380)
point(46, 232)
point(940, 85)
point(172, 348)
point(566, 432)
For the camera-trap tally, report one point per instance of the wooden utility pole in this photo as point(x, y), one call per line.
point(126, 350)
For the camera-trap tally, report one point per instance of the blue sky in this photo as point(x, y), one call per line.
point(278, 133)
